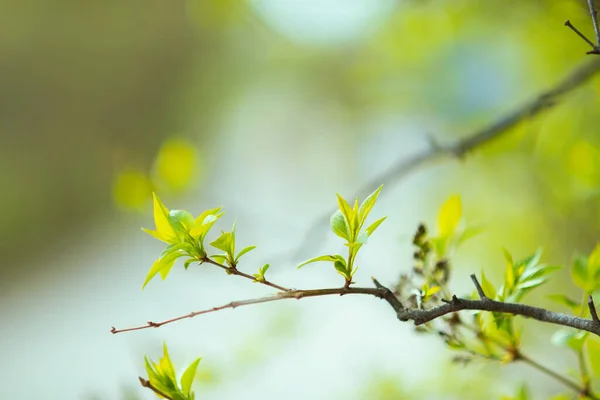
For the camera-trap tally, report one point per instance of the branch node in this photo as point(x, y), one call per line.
point(593, 312)
point(480, 291)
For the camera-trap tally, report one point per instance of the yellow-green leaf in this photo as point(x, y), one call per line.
point(339, 225)
point(449, 216)
point(348, 213)
point(371, 228)
point(162, 265)
point(244, 251)
point(367, 205)
point(488, 287)
point(316, 259)
point(163, 231)
point(594, 264)
point(188, 377)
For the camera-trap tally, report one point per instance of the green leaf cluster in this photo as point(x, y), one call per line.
point(260, 276)
point(347, 222)
point(161, 376)
point(523, 275)
point(585, 272)
point(183, 234)
point(226, 243)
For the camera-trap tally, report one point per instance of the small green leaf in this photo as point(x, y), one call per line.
point(367, 205)
point(593, 353)
point(220, 258)
point(349, 214)
point(316, 259)
point(244, 251)
point(166, 365)
point(187, 262)
point(341, 268)
point(224, 243)
point(469, 233)
point(488, 287)
point(162, 265)
point(593, 266)
point(569, 338)
point(260, 276)
point(176, 247)
point(181, 222)
point(362, 238)
point(579, 273)
point(339, 225)
point(371, 228)
point(565, 301)
point(188, 377)
point(449, 216)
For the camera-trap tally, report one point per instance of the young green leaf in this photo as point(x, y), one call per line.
point(469, 233)
point(488, 287)
point(339, 225)
point(224, 243)
point(570, 338)
point(565, 301)
point(244, 251)
point(449, 216)
point(371, 228)
point(366, 206)
point(260, 276)
point(162, 265)
point(316, 259)
point(349, 214)
point(579, 273)
point(188, 377)
point(163, 231)
point(181, 222)
point(593, 266)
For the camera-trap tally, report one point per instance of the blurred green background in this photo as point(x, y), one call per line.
point(269, 108)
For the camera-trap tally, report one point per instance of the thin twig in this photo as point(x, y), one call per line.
point(382, 293)
point(594, 15)
point(478, 287)
point(404, 167)
point(418, 316)
point(235, 271)
point(145, 383)
point(592, 308)
point(581, 35)
point(555, 375)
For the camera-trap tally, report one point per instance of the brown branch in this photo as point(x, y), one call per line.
point(593, 312)
point(145, 383)
point(581, 35)
point(486, 304)
point(404, 167)
point(235, 271)
point(382, 293)
point(480, 291)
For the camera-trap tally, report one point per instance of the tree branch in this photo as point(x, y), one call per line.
point(235, 271)
point(486, 304)
point(471, 142)
point(418, 316)
point(145, 383)
point(382, 293)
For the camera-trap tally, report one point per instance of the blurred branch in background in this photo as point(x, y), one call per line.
point(436, 151)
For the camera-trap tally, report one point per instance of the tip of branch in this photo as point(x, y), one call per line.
point(113, 330)
point(593, 311)
point(376, 283)
point(567, 23)
point(480, 291)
